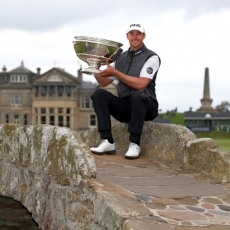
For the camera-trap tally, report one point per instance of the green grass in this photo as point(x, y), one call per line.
point(214, 135)
point(178, 119)
point(175, 119)
point(221, 138)
point(223, 143)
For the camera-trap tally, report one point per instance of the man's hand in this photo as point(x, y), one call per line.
point(139, 83)
point(102, 76)
point(108, 72)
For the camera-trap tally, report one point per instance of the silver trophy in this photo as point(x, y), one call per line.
point(95, 52)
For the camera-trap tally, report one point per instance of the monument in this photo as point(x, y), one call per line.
point(206, 101)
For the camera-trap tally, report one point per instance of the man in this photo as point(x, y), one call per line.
point(136, 70)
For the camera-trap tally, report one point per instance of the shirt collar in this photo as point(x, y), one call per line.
point(138, 51)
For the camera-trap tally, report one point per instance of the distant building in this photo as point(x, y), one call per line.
point(207, 121)
point(162, 120)
point(55, 97)
point(206, 118)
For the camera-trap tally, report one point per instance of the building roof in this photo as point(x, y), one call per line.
point(21, 69)
point(162, 120)
point(58, 70)
point(195, 115)
point(88, 85)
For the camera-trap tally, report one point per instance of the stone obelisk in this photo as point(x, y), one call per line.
point(206, 101)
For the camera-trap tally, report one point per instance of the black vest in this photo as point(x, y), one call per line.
point(131, 63)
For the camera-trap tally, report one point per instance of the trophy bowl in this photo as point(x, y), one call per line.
point(95, 52)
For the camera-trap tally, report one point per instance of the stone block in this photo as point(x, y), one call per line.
point(204, 155)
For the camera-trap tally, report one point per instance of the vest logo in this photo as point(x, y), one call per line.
point(138, 52)
point(149, 70)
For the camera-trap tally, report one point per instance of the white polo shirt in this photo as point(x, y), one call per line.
point(148, 70)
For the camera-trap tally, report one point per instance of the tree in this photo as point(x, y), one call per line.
point(224, 106)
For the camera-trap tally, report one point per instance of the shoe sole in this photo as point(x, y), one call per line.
point(102, 153)
point(132, 158)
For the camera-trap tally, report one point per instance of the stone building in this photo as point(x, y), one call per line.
point(55, 97)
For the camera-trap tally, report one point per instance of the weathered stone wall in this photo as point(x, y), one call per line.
point(204, 155)
point(174, 146)
point(51, 171)
point(47, 169)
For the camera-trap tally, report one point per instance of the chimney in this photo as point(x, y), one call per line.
point(4, 69)
point(38, 71)
point(79, 73)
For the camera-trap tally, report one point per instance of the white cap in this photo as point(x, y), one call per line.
point(136, 27)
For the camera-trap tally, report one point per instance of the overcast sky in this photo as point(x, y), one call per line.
point(188, 35)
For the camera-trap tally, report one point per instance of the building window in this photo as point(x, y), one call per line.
point(55, 77)
point(86, 103)
point(60, 91)
point(68, 90)
point(52, 120)
point(60, 111)
point(16, 100)
point(25, 119)
point(68, 111)
point(36, 91)
point(7, 118)
point(43, 110)
point(52, 117)
point(16, 119)
point(43, 115)
point(93, 120)
point(18, 78)
point(60, 121)
point(60, 116)
point(52, 90)
point(51, 110)
point(43, 90)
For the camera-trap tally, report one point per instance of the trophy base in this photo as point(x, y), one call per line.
point(94, 65)
point(90, 71)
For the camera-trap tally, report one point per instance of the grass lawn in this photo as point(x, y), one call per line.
point(178, 119)
point(175, 119)
point(223, 143)
point(221, 138)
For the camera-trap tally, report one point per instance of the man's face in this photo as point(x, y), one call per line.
point(135, 38)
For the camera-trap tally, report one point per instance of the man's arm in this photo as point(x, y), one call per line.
point(139, 83)
point(102, 81)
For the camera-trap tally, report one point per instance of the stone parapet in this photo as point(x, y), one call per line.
point(174, 146)
point(47, 169)
point(204, 155)
point(51, 171)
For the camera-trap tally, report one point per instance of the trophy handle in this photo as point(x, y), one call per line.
point(115, 56)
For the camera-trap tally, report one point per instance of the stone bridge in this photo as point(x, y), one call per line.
point(51, 171)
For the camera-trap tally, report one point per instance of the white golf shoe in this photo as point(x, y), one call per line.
point(133, 151)
point(104, 147)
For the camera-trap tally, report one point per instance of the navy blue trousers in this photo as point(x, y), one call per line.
point(134, 110)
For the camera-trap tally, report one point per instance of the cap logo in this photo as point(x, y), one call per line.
point(133, 25)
